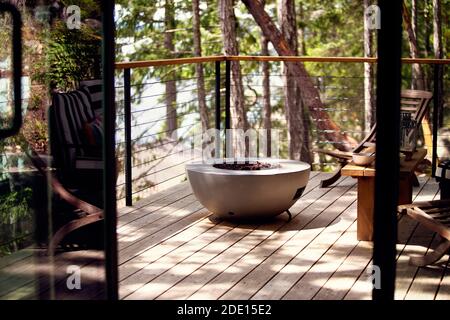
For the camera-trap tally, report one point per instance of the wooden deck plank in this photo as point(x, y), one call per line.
point(227, 266)
point(315, 278)
point(444, 287)
point(232, 275)
point(166, 246)
point(45, 271)
point(314, 183)
point(145, 244)
point(209, 270)
point(417, 244)
point(424, 284)
point(141, 227)
point(153, 207)
point(162, 274)
point(15, 257)
point(313, 242)
point(299, 240)
point(358, 261)
point(140, 247)
point(173, 248)
point(337, 286)
point(427, 279)
point(150, 199)
point(362, 288)
point(25, 286)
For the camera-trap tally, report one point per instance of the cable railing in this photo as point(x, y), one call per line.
point(150, 158)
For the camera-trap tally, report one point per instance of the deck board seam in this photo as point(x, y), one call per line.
point(256, 226)
point(328, 191)
point(315, 187)
point(331, 246)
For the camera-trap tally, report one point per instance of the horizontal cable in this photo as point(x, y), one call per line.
point(161, 182)
point(155, 134)
point(160, 158)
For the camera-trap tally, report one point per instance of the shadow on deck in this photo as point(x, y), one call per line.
point(170, 247)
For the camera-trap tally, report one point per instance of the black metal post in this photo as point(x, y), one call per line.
point(109, 151)
point(227, 105)
point(218, 110)
point(387, 161)
point(127, 120)
point(437, 95)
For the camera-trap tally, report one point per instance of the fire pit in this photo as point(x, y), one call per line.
point(248, 190)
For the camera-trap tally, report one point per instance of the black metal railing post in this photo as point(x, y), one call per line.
point(127, 120)
point(218, 111)
point(227, 107)
point(437, 96)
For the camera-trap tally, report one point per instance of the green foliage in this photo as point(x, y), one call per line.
point(69, 56)
point(15, 220)
point(15, 206)
point(330, 28)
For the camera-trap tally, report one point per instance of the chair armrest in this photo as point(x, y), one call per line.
point(336, 154)
point(423, 204)
point(58, 188)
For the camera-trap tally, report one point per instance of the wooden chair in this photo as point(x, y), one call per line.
point(434, 215)
point(76, 172)
point(414, 101)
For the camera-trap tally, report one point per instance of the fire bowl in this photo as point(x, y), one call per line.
point(249, 193)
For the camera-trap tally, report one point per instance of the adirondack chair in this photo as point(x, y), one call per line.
point(434, 215)
point(414, 101)
point(76, 172)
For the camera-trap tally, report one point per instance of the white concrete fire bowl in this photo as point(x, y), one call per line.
point(249, 194)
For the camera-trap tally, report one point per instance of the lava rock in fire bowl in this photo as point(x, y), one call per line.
point(261, 189)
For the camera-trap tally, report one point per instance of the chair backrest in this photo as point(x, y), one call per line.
point(95, 89)
point(416, 102)
point(68, 116)
point(413, 101)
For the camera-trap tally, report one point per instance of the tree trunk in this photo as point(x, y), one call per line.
point(267, 110)
point(428, 29)
point(292, 98)
point(228, 26)
point(414, 14)
point(199, 67)
point(369, 103)
point(171, 86)
point(301, 33)
point(417, 72)
point(310, 94)
point(417, 82)
point(307, 133)
point(438, 54)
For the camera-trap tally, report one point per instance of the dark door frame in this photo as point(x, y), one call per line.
point(109, 152)
point(387, 160)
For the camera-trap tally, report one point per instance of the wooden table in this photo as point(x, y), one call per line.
point(366, 190)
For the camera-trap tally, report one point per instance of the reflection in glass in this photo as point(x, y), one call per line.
point(51, 226)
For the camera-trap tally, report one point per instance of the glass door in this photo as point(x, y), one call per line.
point(52, 226)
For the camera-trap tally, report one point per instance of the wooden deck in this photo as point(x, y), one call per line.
point(170, 247)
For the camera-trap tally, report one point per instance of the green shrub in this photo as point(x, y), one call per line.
point(15, 206)
point(69, 56)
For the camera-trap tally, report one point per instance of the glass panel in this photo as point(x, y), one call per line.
point(51, 200)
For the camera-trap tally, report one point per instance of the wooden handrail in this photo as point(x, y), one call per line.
point(300, 59)
point(167, 62)
point(179, 61)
